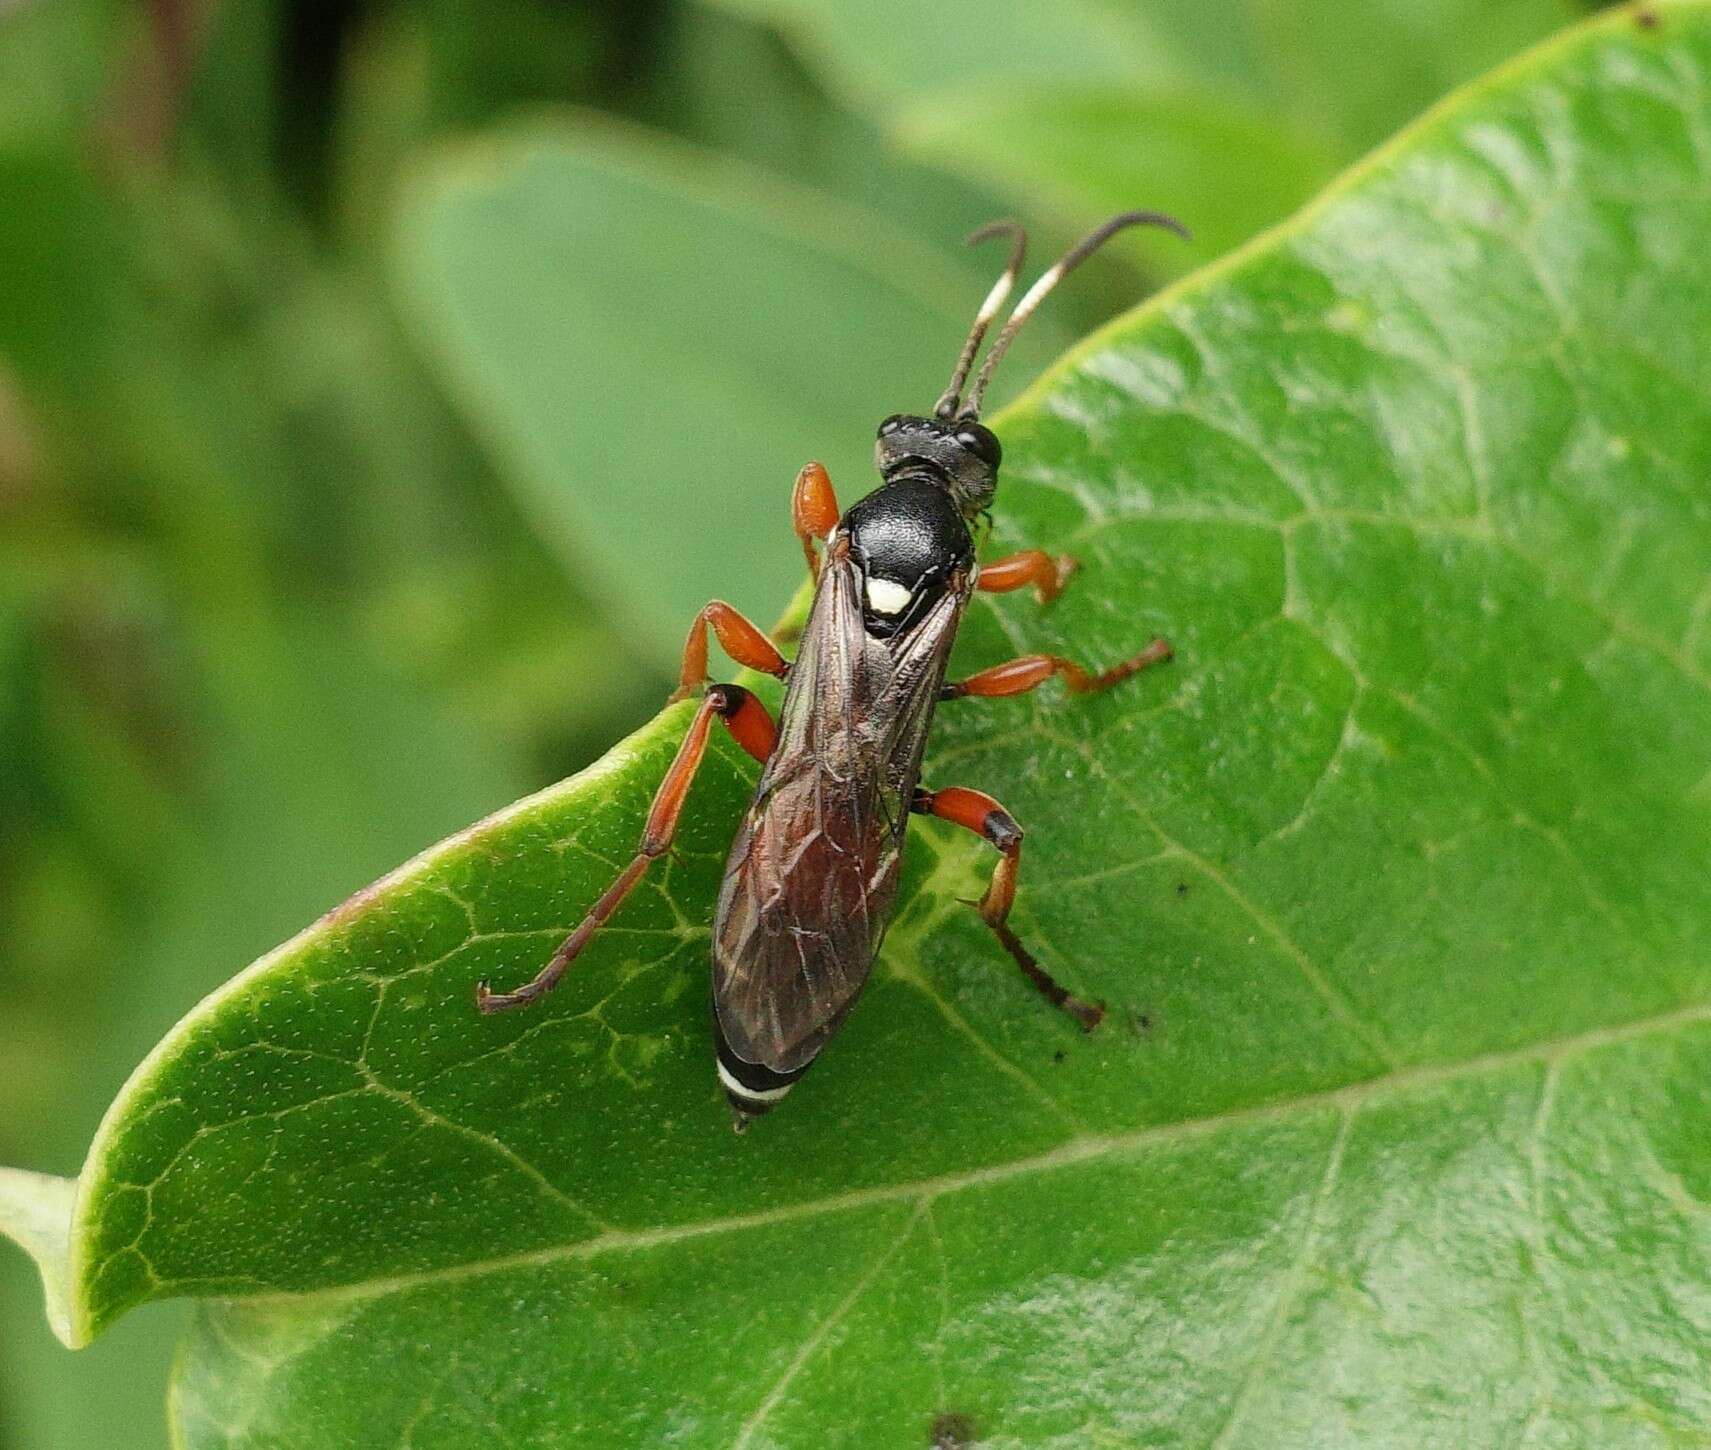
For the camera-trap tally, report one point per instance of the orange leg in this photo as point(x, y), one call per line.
point(814, 511)
point(1047, 574)
point(741, 640)
point(752, 728)
point(975, 811)
point(1017, 677)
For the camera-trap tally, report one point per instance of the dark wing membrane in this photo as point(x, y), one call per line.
point(813, 872)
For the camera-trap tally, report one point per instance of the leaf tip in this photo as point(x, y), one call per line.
point(36, 1213)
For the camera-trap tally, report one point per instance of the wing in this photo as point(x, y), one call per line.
point(813, 872)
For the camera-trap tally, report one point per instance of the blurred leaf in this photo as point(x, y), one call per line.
point(522, 53)
point(56, 229)
point(630, 323)
point(1089, 153)
point(730, 85)
point(1357, 71)
point(1230, 113)
point(54, 61)
point(1396, 1133)
point(882, 53)
point(414, 74)
point(106, 1396)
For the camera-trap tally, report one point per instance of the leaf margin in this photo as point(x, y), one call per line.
point(81, 1323)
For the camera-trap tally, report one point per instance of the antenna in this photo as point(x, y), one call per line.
point(948, 400)
point(1036, 294)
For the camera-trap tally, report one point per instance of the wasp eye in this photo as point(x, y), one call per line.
point(891, 424)
point(981, 442)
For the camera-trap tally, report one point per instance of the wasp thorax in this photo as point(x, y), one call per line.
point(961, 454)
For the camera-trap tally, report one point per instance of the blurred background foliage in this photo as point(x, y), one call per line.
point(302, 566)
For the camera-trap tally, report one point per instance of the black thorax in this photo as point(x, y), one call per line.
point(908, 535)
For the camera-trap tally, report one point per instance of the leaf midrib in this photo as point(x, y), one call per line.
point(1084, 1148)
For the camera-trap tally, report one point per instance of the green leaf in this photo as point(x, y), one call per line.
point(886, 52)
point(1229, 113)
point(54, 62)
point(653, 340)
point(1090, 152)
point(1396, 1133)
point(722, 81)
point(1409, 52)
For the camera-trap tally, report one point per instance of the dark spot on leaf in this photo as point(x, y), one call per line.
point(1182, 888)
point(1140, 1023)
point(952, 1431)
point(1645, 17)
point(1059, 1055)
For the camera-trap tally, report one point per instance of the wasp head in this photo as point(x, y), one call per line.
point(960, 454)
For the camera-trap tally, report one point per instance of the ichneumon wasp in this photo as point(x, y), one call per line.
point(812, 876)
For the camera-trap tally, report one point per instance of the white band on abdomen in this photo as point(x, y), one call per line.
point(754, 1095)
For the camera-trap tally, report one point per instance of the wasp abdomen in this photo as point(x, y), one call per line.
point(750, 1087)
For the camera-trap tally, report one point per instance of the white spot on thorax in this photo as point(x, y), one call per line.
point(885, 597)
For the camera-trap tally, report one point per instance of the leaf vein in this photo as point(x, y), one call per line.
point(1293, 1282)
point(1073, 1153)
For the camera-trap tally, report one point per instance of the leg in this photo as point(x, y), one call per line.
point(814, 511)
point(741, 640)
point(752, 728)
point(1031, 566)
point(1017, 677)
point(981, 814)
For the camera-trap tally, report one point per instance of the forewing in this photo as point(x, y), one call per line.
point(813, 871)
